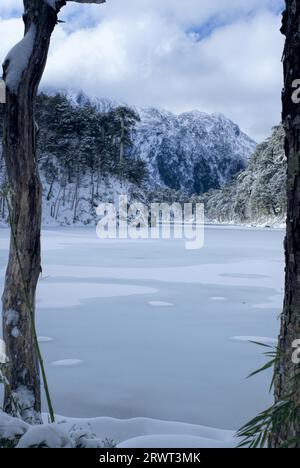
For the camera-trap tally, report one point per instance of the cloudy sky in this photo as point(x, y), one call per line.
point(212, 55)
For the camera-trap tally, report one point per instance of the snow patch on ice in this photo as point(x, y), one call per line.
point(192, 274)
point(45, 339)
point(257, 339)
point(68, 295)
point(160, 304)
point(274, 302)
point(66, 363)
point(17, 59)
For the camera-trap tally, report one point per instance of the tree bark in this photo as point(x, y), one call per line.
point(286, 370)
point(19, 146)
point(122, 138)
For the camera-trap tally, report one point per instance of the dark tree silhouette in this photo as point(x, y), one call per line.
point(286, 381)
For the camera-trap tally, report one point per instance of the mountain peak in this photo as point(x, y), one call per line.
point(191, 152)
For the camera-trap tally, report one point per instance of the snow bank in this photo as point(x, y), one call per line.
point(105, 432)
point(175, 441)
point(49, 435)
point(18, 58)
point(10, 428)
point(146, 433)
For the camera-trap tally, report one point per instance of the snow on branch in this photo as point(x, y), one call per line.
point(53, 3)
point(17, 60)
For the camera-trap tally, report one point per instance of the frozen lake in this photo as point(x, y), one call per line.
point(145, 328)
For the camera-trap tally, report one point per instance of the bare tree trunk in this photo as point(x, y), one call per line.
point(285, 383)
point(122, 138)
point(92, 187)
point(49, 195)
point(21, 162)
point(98, 182)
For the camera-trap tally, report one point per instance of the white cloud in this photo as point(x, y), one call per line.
point(11, 31)
point(149, 53)
point(8, 7)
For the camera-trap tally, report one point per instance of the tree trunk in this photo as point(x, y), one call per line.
point(285, 383)
point(20, 156)
point(122, 138)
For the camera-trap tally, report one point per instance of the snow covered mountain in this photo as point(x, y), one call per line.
point(92, 150)
point(258, 194)
point(192, 152)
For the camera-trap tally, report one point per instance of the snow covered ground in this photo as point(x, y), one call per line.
point(147, 329)
point(108, 432)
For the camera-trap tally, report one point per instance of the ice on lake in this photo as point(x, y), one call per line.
point(175, 362)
